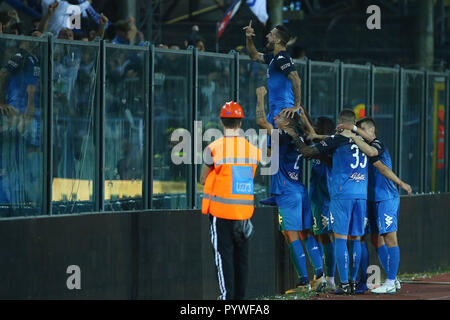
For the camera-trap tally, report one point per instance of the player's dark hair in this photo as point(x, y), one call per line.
point(369, 121)
point(294, 122)
point(324, 126)
point(347, 116)
point(231, 123)
point(285, 36)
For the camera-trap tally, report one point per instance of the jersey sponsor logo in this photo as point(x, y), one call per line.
point(284, 66)
point(358, 177)
point(293, 175)
point(36, 71)
point(387, 220)
point(323, 143)
point(13, 64)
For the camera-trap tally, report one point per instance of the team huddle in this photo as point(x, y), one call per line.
point(352, 191)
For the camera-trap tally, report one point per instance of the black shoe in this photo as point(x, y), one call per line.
point(353, 286)
point(344, 288)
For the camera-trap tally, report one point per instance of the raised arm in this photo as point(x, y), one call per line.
point(103, 21)
point(44, 22)
point(261, 119)
point(252, 52)
point(388, 173)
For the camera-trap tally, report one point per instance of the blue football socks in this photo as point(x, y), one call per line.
point(312, 247)
point(355, 258)
point(383, 257)
point(393, 262)
point(341, 253)
point(298, 258)
point(330, 259)
point(364, 262)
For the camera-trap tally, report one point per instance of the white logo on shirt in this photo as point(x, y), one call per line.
point(324, 221)
point(358, 177)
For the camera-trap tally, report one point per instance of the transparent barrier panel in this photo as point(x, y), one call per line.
point(385, 101)
point(124, 122)
point(215, 87)
point(22, 79)
point(410, 153)
point(75, 70)
point(435, 139)
point(324, 87)
point(356, 90)
point(251, 76)
point(171, 111)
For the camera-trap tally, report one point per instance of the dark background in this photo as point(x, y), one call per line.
point(168, 254)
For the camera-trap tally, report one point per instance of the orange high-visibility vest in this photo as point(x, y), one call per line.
point(228, 189)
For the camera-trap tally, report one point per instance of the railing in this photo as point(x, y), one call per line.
point(99, 134)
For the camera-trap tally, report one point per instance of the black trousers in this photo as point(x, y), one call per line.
point(231, 259)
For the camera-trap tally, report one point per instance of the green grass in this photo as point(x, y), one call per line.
point(402, 276)
point(290, 296)
point(423, 275)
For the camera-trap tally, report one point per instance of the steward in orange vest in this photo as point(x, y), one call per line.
point(228, 197)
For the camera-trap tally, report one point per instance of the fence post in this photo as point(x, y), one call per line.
point(340, 86)
point(99, 136)
point(48, 128)
point(398, 122)
point(446, 128)
point(370, 110)
point(148, 172)
point(194, 117)
point(424, 133)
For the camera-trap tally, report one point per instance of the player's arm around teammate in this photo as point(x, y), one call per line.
point(371, 152)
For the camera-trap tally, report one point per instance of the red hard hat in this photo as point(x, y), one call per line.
point(232, 109)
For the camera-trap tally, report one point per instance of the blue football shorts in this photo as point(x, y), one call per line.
point(347, 216)
point(383, 215)
point(294, 211)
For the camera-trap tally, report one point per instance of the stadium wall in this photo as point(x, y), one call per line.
point(168, 255)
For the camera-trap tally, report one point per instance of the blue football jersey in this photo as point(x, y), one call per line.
point(380, 188)
point(349, 174)
point(318, 183)
point(24, 69)
point(281, 94)
point(288, 177)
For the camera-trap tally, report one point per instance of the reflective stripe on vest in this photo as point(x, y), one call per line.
point(236, 161)
point(231, 194)
point(232, 201)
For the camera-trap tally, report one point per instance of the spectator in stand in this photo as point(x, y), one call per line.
point(174, 47)
point(21, 143)
point(200, 45)
point(299, 53)
point(59, 20)
point(11, 23)
point(127, 33)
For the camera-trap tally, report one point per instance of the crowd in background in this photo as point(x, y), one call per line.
point(75, 70)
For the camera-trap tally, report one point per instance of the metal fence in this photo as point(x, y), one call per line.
point(90, 124)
